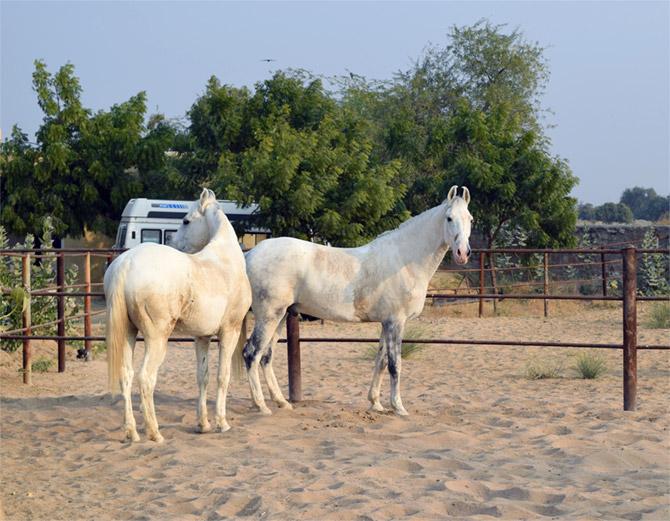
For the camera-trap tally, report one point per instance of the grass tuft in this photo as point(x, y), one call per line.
point(537, 369)
point(590, 366)
point(41, 365)
point(660, 316)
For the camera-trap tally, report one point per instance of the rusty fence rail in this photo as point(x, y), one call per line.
point(629, 298)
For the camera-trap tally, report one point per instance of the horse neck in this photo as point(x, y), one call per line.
point(220, 230)
point(421, 241)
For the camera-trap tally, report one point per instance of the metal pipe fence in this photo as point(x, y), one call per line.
point(629, 299)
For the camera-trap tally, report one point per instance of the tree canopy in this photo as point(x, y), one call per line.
point(645, 203)
point(82, 170)
point(469, 113)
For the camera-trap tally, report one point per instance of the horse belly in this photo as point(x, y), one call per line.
point(338, 312)
point(203, 317)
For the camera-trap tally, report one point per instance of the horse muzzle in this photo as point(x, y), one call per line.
point(461, 254)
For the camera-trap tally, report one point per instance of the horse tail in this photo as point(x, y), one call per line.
point(237, 363)
point(117, 325)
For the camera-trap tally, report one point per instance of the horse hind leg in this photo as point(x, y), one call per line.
point(253, 350)
point(127, 374)
point(228, 339)
point(154, 354)
point(393, 334)
point(374, 393)
point(202, 358)
point(270, 378)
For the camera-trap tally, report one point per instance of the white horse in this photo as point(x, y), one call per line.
point(384, 281)
point(157, 289)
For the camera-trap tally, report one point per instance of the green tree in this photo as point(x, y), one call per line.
point(469, 113)
point(645, 203)
point(84, 167)
point(586, 211)
point(613, 213)
point(511, 176)
point(481, 64)
point(307, 163)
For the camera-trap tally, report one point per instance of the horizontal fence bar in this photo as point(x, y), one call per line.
point(512, 343)
point(499, 296)
point(515, 296)
point(61, 250)
point(559, 251)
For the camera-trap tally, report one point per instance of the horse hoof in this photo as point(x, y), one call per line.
point(223, 427)
point(158, 438)
point(285, 405)
point(131, 437)
point(377, 407)
point(400, 411)
point(265, 411)
point(202, 429)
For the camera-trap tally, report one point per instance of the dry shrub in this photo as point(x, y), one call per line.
point(541, 369)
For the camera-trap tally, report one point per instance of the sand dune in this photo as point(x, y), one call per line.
point(482, 442)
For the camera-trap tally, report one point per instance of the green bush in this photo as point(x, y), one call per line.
point(652, 276)
point(660, 316)
point(42, 275)
point(590, 366)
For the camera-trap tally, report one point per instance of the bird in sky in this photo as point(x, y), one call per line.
point(268, 60)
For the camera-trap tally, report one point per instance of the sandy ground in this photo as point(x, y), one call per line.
point(482, 441)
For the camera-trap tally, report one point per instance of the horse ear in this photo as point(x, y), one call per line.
point(203, 197)
point(206, 198)
point(452, 193)
point(466, 194)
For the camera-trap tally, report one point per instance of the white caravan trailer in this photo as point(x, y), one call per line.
point(156, 220)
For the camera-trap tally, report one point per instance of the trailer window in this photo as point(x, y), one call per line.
point(151, 236)
point(121, 236)
point(167, 236)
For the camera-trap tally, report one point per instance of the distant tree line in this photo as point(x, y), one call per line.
point(635, 203)
point(334, 161)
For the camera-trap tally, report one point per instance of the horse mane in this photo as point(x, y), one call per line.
point(416, 218)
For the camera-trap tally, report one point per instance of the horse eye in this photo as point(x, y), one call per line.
point(448, 219)
point(186, 221)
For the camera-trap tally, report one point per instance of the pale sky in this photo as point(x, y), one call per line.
point(609, 62)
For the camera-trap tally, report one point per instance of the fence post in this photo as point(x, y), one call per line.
point(87, 305)
point(60, 282)
point(481, 283)
point(494, 280)
point(629, 329)
point(293, 352)
point(546, 284)
point(27, 355)
point(603, 269)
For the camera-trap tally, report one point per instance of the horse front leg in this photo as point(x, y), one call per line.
point(392, 332)
point(202, 359)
